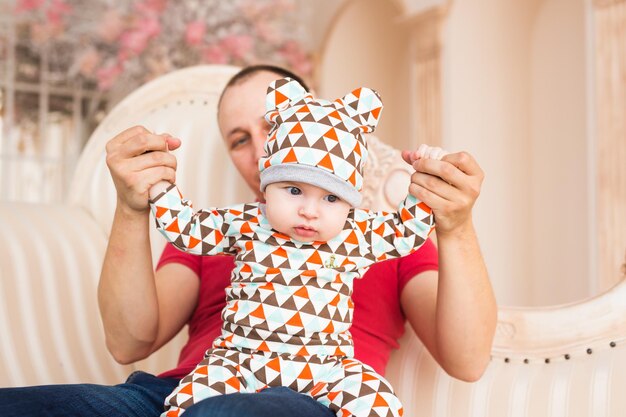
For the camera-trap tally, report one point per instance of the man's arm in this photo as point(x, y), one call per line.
point(137, 306)
point(453, 311)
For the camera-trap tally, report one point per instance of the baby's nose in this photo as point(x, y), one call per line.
point(309, 210)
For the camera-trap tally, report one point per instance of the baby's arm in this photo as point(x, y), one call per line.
point(395, 234)
point(200, 232)
point(398, 234)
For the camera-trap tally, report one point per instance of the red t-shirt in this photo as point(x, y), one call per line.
point(378, 320)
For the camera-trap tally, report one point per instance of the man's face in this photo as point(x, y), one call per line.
point(243, 126)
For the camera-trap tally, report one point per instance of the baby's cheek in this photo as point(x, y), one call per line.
point(338, 224)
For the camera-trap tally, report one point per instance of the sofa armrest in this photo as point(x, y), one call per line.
point(566, 360)
point(49, 267)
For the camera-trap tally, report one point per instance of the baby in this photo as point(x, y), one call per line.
point(289, 309)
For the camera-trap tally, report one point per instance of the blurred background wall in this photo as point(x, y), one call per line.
point(513, 83)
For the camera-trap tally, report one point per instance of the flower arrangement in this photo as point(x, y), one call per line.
point(103, 42)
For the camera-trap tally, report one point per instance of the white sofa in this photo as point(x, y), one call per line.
point(557, 361)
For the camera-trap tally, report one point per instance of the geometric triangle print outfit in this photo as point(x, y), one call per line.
point(288, 307)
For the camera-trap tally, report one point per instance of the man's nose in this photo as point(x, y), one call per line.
point(258, 141)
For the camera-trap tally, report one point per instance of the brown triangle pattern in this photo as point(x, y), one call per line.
point(346, 385)
point(297, 112)
point(326, 269)
point(311, 314)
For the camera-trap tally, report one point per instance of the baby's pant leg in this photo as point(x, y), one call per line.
point(218, 373)
point(358, 391)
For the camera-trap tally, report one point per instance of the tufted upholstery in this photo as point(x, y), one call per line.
point(50, 331)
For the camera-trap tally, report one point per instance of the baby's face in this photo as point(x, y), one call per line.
point(305, 212)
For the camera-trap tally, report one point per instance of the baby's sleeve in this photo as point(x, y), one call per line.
point(395, 234)
point(204, 232)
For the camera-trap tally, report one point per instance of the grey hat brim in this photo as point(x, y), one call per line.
point(307, 174)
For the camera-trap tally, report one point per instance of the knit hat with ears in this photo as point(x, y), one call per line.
point(316, 141)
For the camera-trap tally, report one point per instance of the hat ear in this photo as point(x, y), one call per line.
point(364, 106)
point(281, 94)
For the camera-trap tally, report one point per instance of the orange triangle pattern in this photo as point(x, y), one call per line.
point(295, 320)
point(274, 364)
point(292, 268)
point(280, 98)
point(302, 292)
point(193, 242)
point(331, 134)
point(290, 157)
point(315, 258)
point(173, 227)
point(304, 120)
point(234, 382)
point(355, 387)
point(326, 163)
point(306, 373)
point(160, 211)
point(259, 312)
point(297, 128)
point(187, 389)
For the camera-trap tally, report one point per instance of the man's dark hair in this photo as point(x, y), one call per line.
point(251, 70)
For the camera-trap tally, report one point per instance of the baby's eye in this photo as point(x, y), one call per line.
point(331, 198)
point(294, 190)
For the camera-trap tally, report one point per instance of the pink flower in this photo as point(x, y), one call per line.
point(150, 27)
point(267, 32)
point(214, 54)
point(151, 7)
point(136, 40)
point(237, 45)
point(56, 10)
point(108, 75)
point(195, 31)
point(133, 42)
point(124, 55)
point(28, 5)
point(88, 61)
point(111, 26)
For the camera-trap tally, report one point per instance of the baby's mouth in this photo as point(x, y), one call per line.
point(305, 231)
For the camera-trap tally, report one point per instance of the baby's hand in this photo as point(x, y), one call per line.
point(431, 152)
point(157, 189)
point(448, 183)
point(161, 185)
point(425, 152)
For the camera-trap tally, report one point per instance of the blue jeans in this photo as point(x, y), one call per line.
point(143, 395)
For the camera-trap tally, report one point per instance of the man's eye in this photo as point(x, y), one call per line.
point(331, 198)
point(239, 141)
point(295, 191)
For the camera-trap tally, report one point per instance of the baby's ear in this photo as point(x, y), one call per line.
point(364, 107)
point(281, 94)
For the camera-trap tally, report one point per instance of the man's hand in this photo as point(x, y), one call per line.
point(138, 159)
point(449, 183)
